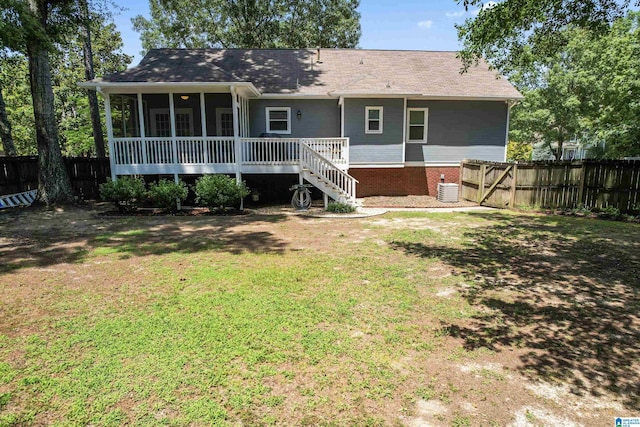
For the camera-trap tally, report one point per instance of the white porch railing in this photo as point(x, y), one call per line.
point(323, 173)
point(322, 161)
point(196, 150)
point(166, 150)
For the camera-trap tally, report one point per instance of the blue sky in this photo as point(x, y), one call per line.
point(386, 24)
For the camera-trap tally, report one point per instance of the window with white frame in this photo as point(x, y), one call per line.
point(373, 120)
point(417, 119)
point(278, 119)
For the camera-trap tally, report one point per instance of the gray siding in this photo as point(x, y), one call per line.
point(461, 129)
point(320, 117)
point(374, 148)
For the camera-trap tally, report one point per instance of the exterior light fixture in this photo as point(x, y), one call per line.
point(184, 97)
point(299, 114)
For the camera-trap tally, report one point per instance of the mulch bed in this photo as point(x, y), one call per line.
point(411, 202)
point(185, 211)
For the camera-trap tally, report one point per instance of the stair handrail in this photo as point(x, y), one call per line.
point(350, 192)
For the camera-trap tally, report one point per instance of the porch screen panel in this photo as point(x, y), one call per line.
point(157, 121)
point(217, 111)
point(124, 116)
point(188, 117)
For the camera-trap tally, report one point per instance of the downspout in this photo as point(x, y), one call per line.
point(510, 104)
point(404, 132)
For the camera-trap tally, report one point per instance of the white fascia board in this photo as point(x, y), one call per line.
point(375, 165)
point(373, 95)
point(432, 164)
point(426, 97)
point(134, 87)
point(295, 96)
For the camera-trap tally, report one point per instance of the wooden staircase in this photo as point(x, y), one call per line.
point(327, 176)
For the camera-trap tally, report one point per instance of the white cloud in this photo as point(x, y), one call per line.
point(457, 14)
point(425, 24)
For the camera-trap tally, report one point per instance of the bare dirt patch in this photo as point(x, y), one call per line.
point(413, 201)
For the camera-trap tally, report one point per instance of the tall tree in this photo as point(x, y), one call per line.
point(71, 101)
point(250, 24)
point(29, 27)
point(14, 77)
point(5, 129)
point(87, 54)
point(511, 32)
point(590, 89)
point(54, 185)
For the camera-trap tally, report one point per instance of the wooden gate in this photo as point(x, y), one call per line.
point(596, 184)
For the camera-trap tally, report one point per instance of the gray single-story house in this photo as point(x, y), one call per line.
point(350, 121)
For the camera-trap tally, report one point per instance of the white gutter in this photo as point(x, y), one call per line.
point(101, 86)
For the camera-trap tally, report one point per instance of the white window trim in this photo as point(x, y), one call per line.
point(366, 119)
point(426, 126)
point(268, 110)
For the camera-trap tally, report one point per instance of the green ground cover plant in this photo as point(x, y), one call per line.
point(408, 318)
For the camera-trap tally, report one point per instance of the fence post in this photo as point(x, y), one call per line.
point(460, 178)
point(483, 172)
point(514, 185)
point(582, 184)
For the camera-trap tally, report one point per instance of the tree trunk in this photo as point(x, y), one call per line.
point(54, 186)
point(5, 129)
point(558, 152)
point(87, 52)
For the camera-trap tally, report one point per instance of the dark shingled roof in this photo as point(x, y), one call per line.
point(337, 72)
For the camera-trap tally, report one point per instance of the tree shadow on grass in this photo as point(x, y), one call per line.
point(38, 238)
point(567, 290)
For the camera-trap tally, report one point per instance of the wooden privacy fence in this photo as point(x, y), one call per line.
point(18, 174)
point(590, 183)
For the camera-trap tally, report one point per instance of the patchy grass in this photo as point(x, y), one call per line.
point(446, 319)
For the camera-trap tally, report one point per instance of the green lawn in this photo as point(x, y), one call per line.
point(284, 320)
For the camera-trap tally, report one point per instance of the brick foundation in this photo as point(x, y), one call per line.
point(402, 181)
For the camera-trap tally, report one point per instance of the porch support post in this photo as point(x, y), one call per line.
point(172, 118)
point(143, 135)
point(112, 151)
point(326, 200)
point(300, 193)
point(203, 119)
point(236, 138)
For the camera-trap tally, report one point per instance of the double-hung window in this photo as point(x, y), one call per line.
point(278, 119)
point(373, 120)
point(417, 119)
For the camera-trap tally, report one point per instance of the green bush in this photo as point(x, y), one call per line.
point(165, 194)
point(126, 193)
point(609, 212)
point(340, 208)
point(219, 191)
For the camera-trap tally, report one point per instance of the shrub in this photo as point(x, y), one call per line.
point(610, 212)
point(126, 193)
point(219, 191)
point(340, 208)
point(165, 194)
point(581, 210)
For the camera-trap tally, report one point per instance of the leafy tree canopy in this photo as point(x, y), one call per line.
point(250, 24)
point(515, 32)
point(589, 89)
point(71, 104)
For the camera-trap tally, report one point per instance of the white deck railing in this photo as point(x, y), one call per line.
point(221, 150)
point(327, 171)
